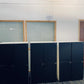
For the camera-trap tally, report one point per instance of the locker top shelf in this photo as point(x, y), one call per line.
point(13, 42)
point(43, 42)
point(53, 41)
point(69, 41)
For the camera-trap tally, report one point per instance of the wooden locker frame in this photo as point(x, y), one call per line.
point(16, 21)
point(40, 21)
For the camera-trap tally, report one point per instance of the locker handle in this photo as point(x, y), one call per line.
point(55, 63)
point(42, 64)
point(70, 62)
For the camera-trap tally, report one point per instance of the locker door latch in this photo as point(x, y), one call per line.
point(55, 63)
point(70, 62)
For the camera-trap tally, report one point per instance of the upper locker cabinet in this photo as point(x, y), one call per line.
point(64, 61)
point(43, 62)
point(77, 60)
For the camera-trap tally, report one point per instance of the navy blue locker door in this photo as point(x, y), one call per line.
point(43, 59)
point(77, 71)
point(65, 71)
point(64, 52)
point(77, 52)
point(5, 63)
point(37, 63)
point(77, 60)
point(65, 61)
point(20, 64)
point(50, 57)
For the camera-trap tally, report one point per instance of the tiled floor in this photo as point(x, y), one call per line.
point(68, 82)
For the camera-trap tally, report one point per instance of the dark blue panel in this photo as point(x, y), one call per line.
point(13, 64)
point(65, 71)
point(50, 73)
point(20, 54)
point(43, 59)
point(37, 63)
point(77, 71)
point(50, 52)
point(64, 51)
point(5, 54)
point(5, 75)
point(19, 75)
point(20, 63)
point(77, 52)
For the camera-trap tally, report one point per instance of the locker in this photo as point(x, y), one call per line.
point(70, 61)
point(20, 63)
point(77, 61)
point(14, 63)
point(5, 63)
point(64, 61)
point(43, 62)
point(50, 61)
point(37, 62)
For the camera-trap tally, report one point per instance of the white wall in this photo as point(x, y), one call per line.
point(67, 30)
point(65, 12)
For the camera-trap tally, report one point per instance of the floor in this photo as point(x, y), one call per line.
point(68, 82)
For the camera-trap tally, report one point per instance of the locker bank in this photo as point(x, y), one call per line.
point(48, 62)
